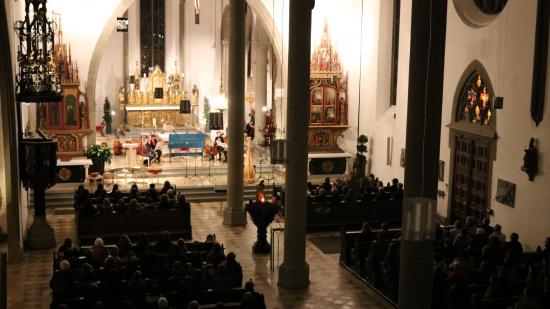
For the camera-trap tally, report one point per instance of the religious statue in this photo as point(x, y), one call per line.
point(530, 160)
point(249, 170)
point(195, 99)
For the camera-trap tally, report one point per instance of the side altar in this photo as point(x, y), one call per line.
point(155, 100)
point(328, 115)
point(66, 121)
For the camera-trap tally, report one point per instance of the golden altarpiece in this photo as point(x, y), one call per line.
point(328, 115)
point(155, 100)
point(66, 121)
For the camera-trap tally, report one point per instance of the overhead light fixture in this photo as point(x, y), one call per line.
point(39, 76)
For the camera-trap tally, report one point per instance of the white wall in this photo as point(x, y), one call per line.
point(505, 48)
point(110, 77)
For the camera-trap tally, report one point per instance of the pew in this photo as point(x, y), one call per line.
point(110, 226)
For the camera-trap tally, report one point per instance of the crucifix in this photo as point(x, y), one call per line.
point(197, 11)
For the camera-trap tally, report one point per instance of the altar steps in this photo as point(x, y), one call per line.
point(63, 198)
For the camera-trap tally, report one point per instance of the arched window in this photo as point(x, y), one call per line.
point(475, 101)
point(152, 34)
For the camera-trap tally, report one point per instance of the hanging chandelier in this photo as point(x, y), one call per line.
point(38, 79)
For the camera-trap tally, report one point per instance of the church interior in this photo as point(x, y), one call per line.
point(274, 154)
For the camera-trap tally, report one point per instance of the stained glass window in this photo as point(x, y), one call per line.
point(475, 101)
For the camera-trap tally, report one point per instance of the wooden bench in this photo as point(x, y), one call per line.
point(153, 222)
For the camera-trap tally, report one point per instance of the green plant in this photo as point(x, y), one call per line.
point(107, 110)
point(96, 152)
point(206, 111)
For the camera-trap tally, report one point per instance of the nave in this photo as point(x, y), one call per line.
point(29, 280)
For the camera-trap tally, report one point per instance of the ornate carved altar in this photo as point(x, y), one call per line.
point(66, 121)
point(155, 100)
point(328, 115)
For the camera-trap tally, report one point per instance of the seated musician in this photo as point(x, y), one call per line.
point(156, 148)
point(220, 145)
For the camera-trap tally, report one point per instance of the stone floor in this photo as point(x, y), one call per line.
point(331, 286)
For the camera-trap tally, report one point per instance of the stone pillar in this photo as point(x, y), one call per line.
point(422, 151)
point(260, 86)
point(234, 213)
point(294, 271)
point(11, 193)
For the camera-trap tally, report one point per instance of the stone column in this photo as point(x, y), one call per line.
point(260, 86)
point(426, 65)
point(11, 193)
point(234, 213)
point(294, 271)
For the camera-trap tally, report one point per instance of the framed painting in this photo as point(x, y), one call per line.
point(506, 192)
point(317, 96)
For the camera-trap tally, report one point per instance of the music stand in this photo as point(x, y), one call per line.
point(210, 176)
point(221, 190)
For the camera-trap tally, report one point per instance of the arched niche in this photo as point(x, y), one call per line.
point(472, 139)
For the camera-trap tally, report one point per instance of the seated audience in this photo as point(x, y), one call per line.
point(152, 192)
point(498, 233)
point(167, 186)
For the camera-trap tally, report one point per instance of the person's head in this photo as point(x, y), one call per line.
point(514, 237)
point(68, 242)
point(181, 197)
point(327, 179)
point(80, 188)
point(170, 193)
point(134, 186)
point(385, 227)
point(193, 305)
point(106, 203)
point(133, 203)
point(115, 187)
point(395, 181)
point(162, 303)
point(498, 228)
point(64, 265)
point(262, 183)
point(166, 235)
point(167, 184)
point(98, 305)
point(547, 242)
point(152, 186)
point(470, 221)
point(99, 242)
point(480, 231)
point(365, 228)
point(124, 240)
point(164, 199)
point(487, 221)
point(231, 257)
point(249, 286)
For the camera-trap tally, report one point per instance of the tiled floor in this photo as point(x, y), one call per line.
point(331, 286)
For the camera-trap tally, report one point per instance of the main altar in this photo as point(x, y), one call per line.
point(328, 116)
point(156, 100)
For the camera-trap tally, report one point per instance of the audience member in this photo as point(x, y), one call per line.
point(498, 233)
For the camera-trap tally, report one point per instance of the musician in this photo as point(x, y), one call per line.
point(250, 125)
point(155, 146)
point(220, 145)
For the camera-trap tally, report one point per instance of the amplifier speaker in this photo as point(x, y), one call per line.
point(216, 121)
point(185, 107)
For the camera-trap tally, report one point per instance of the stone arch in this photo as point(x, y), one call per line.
point(257, 6)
